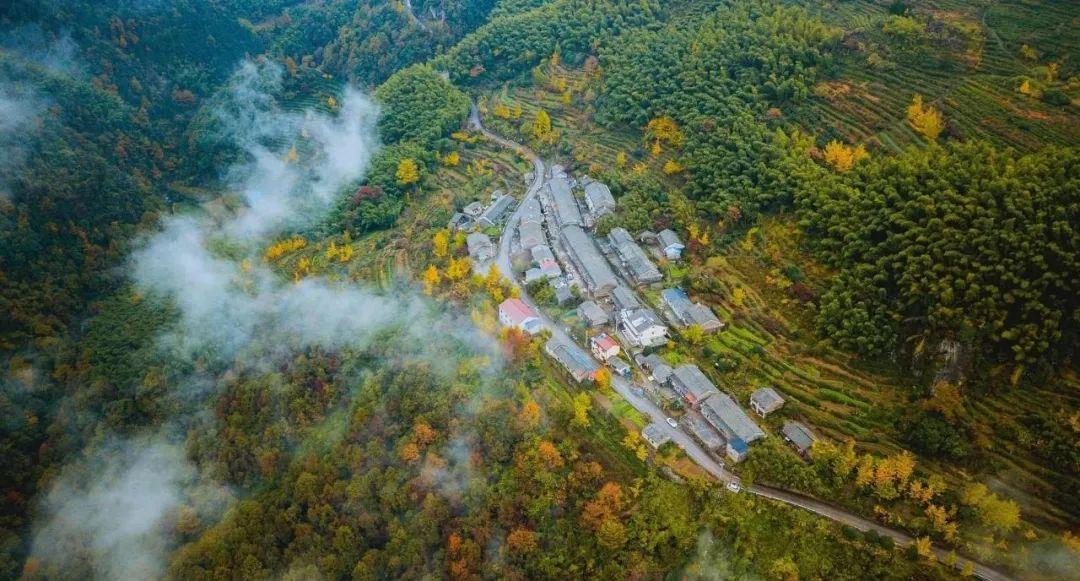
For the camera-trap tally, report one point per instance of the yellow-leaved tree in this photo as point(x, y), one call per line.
point(844, 157)
point(541, 129)
point(407, 171)
point(451, 159)
point(431, 279)
point(925, 119)
point(440, 243)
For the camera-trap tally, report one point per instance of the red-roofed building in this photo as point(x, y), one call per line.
point(604, 347)
point(515, 313)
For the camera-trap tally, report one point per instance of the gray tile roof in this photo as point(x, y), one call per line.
point(577, 362)
point(624, 298)
point(799, 435)
point(563, 202)
point(591, 265)
point(766, 399)
point(593, 315)
point(726, 416)
point(688, 379)
point(480, 246)
point(637, 262)
point(703, 432)
point(598, 197)
point(498, 210)
point(532, 234)
point(688, 313)
point(668, 237)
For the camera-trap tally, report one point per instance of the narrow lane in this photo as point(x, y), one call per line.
point(646, 406)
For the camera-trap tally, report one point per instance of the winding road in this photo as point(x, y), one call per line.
point(631, 392)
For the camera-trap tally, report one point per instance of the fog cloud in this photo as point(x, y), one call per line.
point(113, 521)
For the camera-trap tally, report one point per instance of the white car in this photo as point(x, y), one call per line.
point(671, 422)
point(734, 486)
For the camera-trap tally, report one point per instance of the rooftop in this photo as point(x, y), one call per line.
point(576, 361)
point(604, 342)
point(592, 313)
point(637, 262)
point(598, 196)
point(624, 298)
point(799, 435)
point(668, 238)
point(689, 313)
point(766, 398)
point(517, 311)
point(726, 415)
point(640, 319)
point(587, 258)
point(691, 379)
point(563, 202)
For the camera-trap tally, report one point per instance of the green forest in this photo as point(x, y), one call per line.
point(239, 340)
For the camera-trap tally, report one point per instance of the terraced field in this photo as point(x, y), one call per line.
point(974, 81)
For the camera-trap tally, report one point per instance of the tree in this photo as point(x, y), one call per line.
point(521, 541)
point(611, 535)
point(451, 159)
point(664, 129)
point(925, 119)
point(603, 379)
point(440, 243)
point(541, 129)
point(407, 171)
point(582, 404)
point(458, 268)
point(431, 279)
point(843, 157)
point(672, 167)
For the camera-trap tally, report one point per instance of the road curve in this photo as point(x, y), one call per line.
point(632, 393)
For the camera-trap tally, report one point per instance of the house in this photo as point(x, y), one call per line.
point(670, 244)
point(563, 294)
point(799, 436)
point(687, 313)
point(563, 204)
point(620, 367)
point(576, 362)
point(604, 347)
point(545, 261)
point(658, 368)
point(516, 314)
point(655, 434)
point(534, 274)
point(480, 247)
point(701, 430)
point(642, 327)
point(736, 449)
point(496, 212)
point(765, 400)
point(729, 419)
point(531, 235)
point(474, 210)
point(624, 298)
point(460, 221)
point(641, 269)
point(598, 197)
point(590, 264)
point(689, 382)
point(592, 314)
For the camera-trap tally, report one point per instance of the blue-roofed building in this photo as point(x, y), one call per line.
point(736, 449)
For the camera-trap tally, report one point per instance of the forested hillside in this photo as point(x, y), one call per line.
point(239, 340)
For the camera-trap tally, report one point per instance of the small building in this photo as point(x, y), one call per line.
point(531, 235)
point(689, 382)
point(480, 247)
point(592, 315)
point(563, 294)
point(701, 430)
point(474, 210)
point(659, 369)
point(516, 314)
point(736, 449)
point(604, 347)
point(598, 197)
point(765, 400)
point(620, 367)
point(545, 261)
point(799, 436)
point(534, 274)
point(460, 221)
point(594, 270)
point(641, 269)
point(686, 313)
point(624, 298)
point(729, 419)
point(642, 328)
point(655, 434)
point(563, 204)
point(576, 362)
point(496, 212)
point(670, 244)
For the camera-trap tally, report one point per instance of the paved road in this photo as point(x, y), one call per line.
point(646, 406)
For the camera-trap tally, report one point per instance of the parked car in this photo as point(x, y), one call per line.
point(734, 486)
point(672, 422)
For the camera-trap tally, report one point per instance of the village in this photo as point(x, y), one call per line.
point(551, 241)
